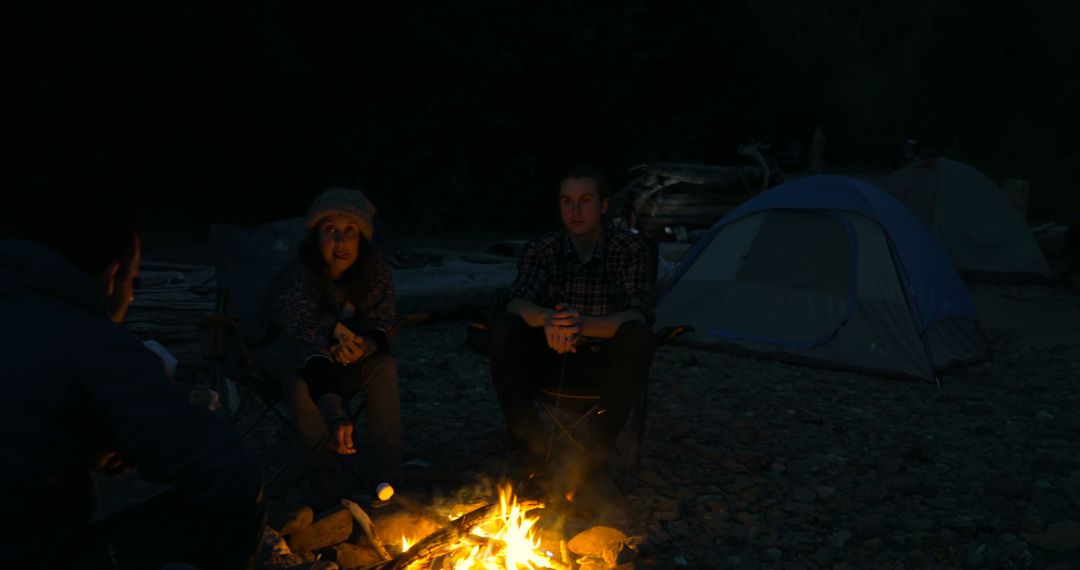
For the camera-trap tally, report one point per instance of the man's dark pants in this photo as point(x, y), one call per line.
point(167, 528)
point(521, 362)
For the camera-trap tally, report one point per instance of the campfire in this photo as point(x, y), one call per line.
point(493, 537)
point(480, 536)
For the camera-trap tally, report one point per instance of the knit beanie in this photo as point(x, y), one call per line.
point(351, 203)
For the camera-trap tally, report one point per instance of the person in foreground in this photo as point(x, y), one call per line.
point(333, 323)
point(81, 394)
point(579, 314)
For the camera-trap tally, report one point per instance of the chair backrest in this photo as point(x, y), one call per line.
point(246, 259)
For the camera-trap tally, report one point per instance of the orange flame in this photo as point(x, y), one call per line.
point(510, 541)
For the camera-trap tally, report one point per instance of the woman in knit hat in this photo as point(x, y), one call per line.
point(333, 314)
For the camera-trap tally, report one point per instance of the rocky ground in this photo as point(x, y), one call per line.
point(751, 463)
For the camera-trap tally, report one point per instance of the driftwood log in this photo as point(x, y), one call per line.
point(690, 195)
point(367, 526)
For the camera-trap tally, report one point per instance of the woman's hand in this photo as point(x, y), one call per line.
point(347, 352)
point(341, 437)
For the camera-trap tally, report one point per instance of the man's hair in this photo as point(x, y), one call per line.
point(583, 171)
point(90, 230)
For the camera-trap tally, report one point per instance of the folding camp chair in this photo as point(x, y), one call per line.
point(570, 407)
point(246, 260)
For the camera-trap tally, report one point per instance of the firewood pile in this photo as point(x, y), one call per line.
point(502, 534)
point(168, 305)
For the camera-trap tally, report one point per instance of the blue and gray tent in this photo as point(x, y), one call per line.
point(829, 271)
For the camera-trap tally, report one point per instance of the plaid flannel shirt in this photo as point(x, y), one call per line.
point(620, 275)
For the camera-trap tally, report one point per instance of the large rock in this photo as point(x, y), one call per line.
point(294, 521)
point(602, 541)
point(804, 494)
point(1059, 537)
point(868, 526)
point(391, 526)
point(350, 556)
point(332, 528)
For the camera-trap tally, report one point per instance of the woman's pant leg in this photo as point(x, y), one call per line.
point(377, 378)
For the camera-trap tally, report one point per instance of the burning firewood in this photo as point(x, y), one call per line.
point(462, 533)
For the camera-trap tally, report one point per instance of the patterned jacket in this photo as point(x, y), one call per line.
point(304, 309)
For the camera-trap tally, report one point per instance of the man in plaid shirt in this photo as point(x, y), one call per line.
point(579, 315)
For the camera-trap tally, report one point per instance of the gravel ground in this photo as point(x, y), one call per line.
point(752, 463)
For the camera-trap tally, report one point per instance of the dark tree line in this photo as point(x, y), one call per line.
point(460, 116)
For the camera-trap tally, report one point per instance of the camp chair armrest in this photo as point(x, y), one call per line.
point(669, 334)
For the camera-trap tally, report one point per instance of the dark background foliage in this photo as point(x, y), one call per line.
point(458, 117)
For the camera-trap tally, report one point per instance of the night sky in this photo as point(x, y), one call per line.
point(458, 118)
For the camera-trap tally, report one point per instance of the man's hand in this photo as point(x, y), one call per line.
point(112, 465)
point(341, 437)
point(347, 352)
point(561, 327)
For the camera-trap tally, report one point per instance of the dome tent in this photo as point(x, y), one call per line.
point(831, 271)
point(986, 236)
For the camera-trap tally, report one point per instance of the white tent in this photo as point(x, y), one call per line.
point(974, 219)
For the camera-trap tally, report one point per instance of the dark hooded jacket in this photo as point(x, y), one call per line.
point(76, 386)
